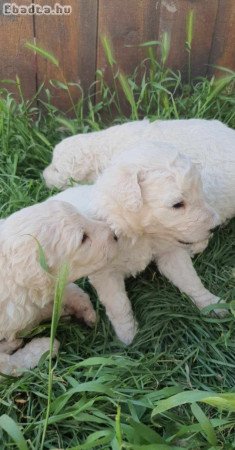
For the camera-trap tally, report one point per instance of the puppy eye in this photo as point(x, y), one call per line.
point(84, 238)
point(178, 205)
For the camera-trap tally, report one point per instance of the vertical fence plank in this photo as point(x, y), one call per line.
point(72, 39)
point(15, 30)
point(127, 24)
point(173, 21)
point(222, 51)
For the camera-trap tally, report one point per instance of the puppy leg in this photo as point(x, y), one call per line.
point(5, 364)
point(77, 303)
point(26, 358)
point(112, 294)
point(178, 268)
point(9, 347)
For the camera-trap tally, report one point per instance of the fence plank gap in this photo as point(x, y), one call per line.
point(173, 17)
point(72, 39)
point(75, 41)
point(222, 50)
point(127, 24)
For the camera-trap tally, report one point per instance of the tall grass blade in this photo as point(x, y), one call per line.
point(118, 427)
point(128, 94)
point(189, 30)
point(165, 47)
point(42, 52)
point(58, 298)
point(219, 85)
point(42, 257)
point(41, 254)
point(108, 50)
point(189, 39)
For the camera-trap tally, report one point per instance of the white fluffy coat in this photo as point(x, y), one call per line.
point(209, 143)
point(154, 201)
point(27, 290)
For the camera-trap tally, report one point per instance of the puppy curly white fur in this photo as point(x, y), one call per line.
point(154, 202)
point(208, 142)
point(27, 290)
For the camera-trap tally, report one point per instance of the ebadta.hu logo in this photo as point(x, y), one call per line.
point(12, 9)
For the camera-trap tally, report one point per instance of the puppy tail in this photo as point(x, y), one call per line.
point(53, 178)
point(26, 358)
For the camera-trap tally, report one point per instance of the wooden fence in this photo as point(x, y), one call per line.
point(75, 39)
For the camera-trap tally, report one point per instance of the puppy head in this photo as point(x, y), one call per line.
point(75, 159)
point(156, 190)
point(65, 237)
point(86, 245)
point(53, 177)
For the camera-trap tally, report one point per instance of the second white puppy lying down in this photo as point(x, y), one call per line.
point(157, 208)
point(208, 142)
point(27, 290)
point(83, 156)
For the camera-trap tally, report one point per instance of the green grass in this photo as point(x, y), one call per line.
point(105, 395)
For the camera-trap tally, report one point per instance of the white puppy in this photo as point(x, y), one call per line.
point(27, 290)
point(208, 142)
point(154, 202)
point(84, 156)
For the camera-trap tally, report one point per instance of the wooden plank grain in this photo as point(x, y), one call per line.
point(72, 39)
point(173, 16)
point(126, 23)
point(15, 30)
point(223, 48)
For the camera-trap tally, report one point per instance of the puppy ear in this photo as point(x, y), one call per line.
point(187, 171)
point(127, 189)
point(61, 240)
point(180, 162)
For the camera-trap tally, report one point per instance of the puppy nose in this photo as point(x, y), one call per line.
point(212, 230)
point(115, 237)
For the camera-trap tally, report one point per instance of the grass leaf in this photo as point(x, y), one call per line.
point(223, 401)
point(9, 425)
point(42, 52)
point(128, 94)
point(176, 346)
point(58, 298)
point(189, 29)
point(165, 47)
point(106, 43)
point(205, 424)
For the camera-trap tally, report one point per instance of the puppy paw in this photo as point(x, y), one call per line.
point(9, 347)
point(83, 310)
point(126, 332)
point(5, 364)
point(213, 300)
point(27, 357)
point(79, 305)
point(89, 316)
